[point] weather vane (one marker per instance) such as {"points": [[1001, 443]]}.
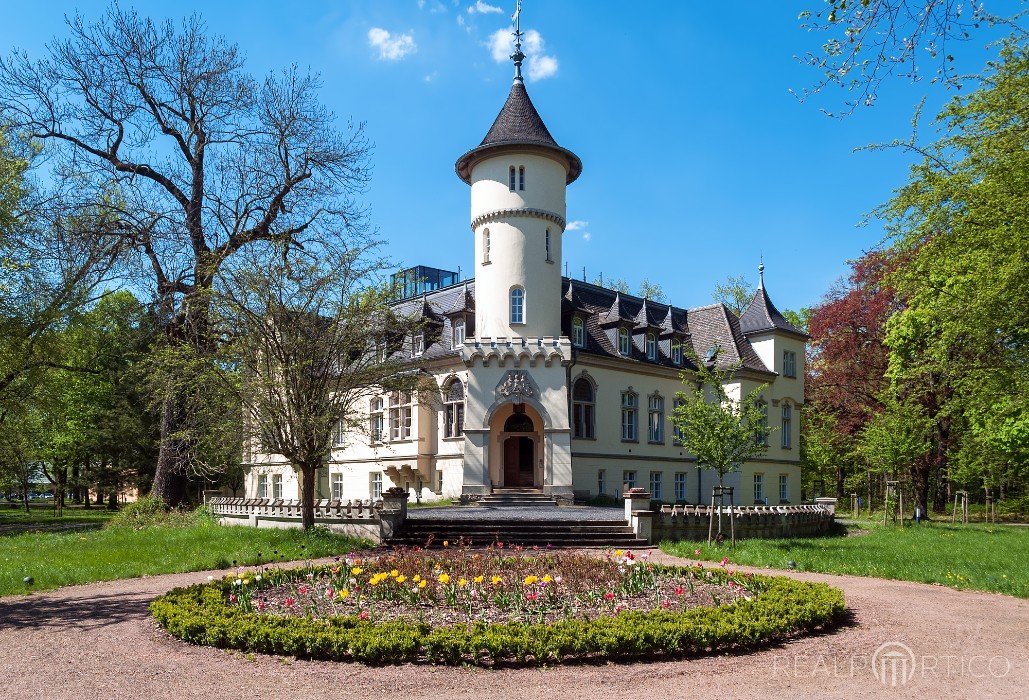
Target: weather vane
{"points": [[518, 56]]}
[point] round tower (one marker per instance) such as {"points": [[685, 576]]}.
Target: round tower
{"points": [[518, 176]]}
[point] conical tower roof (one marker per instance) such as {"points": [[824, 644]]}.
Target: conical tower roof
{"points": [[761, 314]]}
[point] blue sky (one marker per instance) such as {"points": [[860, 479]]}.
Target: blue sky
{"points": [[696, 157]]}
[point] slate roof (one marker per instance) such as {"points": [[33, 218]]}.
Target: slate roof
{"points": [[518, 125], [761, 315], [604, 311]]}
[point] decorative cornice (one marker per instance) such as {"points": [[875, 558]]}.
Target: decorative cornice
{"points": [[498, 214]]}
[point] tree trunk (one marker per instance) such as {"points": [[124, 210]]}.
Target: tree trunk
{"points": [[308, 472], [841, 476], [169, 481]]}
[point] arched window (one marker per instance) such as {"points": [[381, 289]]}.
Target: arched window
{"points": [[583, 409], [521, 177], [459, 334], [630, 416], [517, 305], [453, 409], [547, 240], [676, 351], [377, 421], [623, 341], [787, 425], [651, 346], [485, 246], [511, 178], [578, 332], [656, 419]]}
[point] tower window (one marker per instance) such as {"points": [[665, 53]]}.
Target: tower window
{"points": [[517, 305], [521, 178], [485, 246], [547, 240], [787, 425], [578, 332], [511, 178], [789, 363]]}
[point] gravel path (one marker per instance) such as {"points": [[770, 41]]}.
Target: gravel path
{"points": [[97, 641]]}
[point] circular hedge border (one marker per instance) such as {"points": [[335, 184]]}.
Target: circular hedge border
{"points": [[201, 614]]}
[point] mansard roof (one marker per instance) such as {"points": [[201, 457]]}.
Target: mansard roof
{"points": [[518, 127], [761, 316]]}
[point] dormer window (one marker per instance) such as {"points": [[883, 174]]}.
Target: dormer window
{"points": [[651, 346], [676, 351], [624, 346], [521, 178], [459, 332], [418, 343], [578, 332], [511, 178], [547, 241], [485, 246]]}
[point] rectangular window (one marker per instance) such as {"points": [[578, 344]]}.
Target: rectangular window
{"points": [[453, 425], [655, 486], [578, 332], [759, 488], [789, 363], [337, 486], [651, 346], [459, 333], [276, 485], [338, 434], [629, 417], [787, 426], [680, 486], [549, 259], [656, 421], [761, 435], [601, 482], [418, 344], [439, 481], [677, 352], [623, 342], [629, 478], [376, 487], [784, 488], [676, 435], [521, 178], [511, 178], [262, 486]]}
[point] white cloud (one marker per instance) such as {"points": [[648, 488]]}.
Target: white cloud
{"points": [[538, 64], [392, 47], [483, 8], [431, 76], [576, 225], [587, 236]]}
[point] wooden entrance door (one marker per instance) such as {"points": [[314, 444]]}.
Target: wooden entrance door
{"points": [[519, 461]]}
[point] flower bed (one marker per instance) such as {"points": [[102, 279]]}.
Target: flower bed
{"points": [[493, 606]]}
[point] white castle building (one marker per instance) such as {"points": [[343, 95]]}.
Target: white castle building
{"points": [[535, 380]]}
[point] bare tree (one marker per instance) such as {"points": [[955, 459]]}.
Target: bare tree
{"points": [[196, 160], [309, 341], [870, 41]]}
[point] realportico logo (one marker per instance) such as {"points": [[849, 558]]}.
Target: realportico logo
{"points": [[893, 664]]}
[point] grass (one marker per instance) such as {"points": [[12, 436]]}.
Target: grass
{"points": [[980, 557], [441, 503], [42, 513], [63, 558]]}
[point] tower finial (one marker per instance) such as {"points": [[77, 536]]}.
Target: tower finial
{"points": [[518, 56], [761, 270]]}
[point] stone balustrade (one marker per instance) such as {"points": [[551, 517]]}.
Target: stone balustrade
{"points": [[357, 518], [681, 522]]}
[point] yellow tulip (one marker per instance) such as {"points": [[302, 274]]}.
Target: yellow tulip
{"points": [[401, 578], [356, 570], [421, 584], [343, 593], [462, 582], [495, 580], [394, 573], [479, 579], [444, 578]]}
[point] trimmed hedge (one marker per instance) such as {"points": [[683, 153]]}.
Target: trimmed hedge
{"points": [[201, 615]]}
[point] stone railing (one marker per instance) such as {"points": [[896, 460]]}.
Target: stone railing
{"points": [[357, 518], [691, 522]]}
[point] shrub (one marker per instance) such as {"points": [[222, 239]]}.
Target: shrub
{"points": [[150, 511], [785, 608]]}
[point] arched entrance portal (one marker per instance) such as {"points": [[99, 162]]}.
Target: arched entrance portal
{"points": [[519, 451], [516, 455]]}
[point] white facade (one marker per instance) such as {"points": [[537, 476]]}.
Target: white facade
{"points": [[551, 373]]}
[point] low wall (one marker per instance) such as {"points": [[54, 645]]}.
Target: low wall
{"points": [[354, 518], [691, 522]]}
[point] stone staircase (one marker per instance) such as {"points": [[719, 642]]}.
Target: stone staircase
{"points": [[532, 519]]}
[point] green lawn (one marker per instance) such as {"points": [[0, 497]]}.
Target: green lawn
{"points": [[42, 513], [59, 559], [981, 557]]}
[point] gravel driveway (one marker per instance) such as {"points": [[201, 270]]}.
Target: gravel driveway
{"points": [[97, 641]]}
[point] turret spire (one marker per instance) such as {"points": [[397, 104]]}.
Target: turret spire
{"points": [[761, 271], [518, 56]]}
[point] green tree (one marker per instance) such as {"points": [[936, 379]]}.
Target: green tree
{"points": [[896, 443], [722, 431], [736, 292]]}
